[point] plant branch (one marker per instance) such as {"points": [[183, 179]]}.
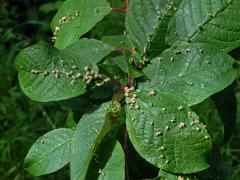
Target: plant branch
{"points": [[119, 10], [117, 83], [125, 148], [130, 81], [122, 10]]}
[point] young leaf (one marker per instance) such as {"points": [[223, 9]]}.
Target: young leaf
{"points": [[126, 67], [147, 23], [194, 72], [214, 22], [47, 74], [70, 121], [89, 133], [167, 133], [109, 162], [75, 18], [50, 152]]}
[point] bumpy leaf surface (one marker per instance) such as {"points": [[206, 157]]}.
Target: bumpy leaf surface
{"points": [[194, 72], [209, 115], [147, 23], [50, 152], [167, 133], [75, 18], [214, 22], [89, 133], [43, 69]]}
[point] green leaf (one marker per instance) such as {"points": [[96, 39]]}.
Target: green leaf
{"points": [[167, 133], [117, 41], [194, 72], [108, 163], [226, 104], [75, 18], [126, 67], [70, 121], [209, 115], [164, 175], [38, 64], [147, 22], [214, 22], [50, 152], [89, 133]]}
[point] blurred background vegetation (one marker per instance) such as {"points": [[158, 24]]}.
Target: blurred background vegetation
{"points": [[22, 121]]}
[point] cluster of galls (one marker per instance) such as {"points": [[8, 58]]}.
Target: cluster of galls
{"points": [[56, 31], [132, 94], [63, 20], [94, 76], [57, 73], [170, 7], [67, 19], [144, 61], [89, 75]]}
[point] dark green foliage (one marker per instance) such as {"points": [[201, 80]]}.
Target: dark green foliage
{"points": [[158, 97]]}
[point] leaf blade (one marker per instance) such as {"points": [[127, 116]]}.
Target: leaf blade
{"points": [[147, 22], [75, 18], [211, 22], [50, 152], [89, 132], [43, 70], [109, 162], [170, 138], [190, 71]]}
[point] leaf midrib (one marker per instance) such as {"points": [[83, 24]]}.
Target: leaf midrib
{"points": [[210, 19], [50, 152]]}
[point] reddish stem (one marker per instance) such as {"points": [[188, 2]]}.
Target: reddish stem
{"points": [[126, 4], [119, 10], [125, 148], [118, 95], [130, 81], [117, 83]]}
